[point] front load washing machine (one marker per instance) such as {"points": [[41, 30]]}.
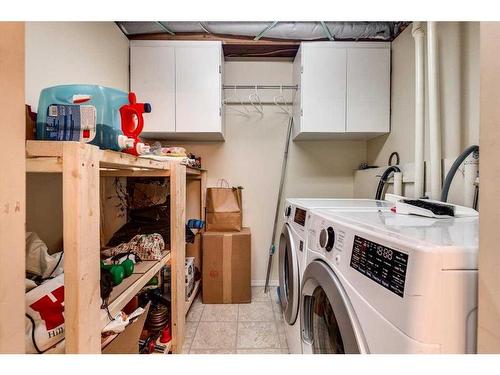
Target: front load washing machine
{"points": [[292, 249], [380, 282]]}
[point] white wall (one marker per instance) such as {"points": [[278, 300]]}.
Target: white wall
{"points": [[63, 53], [251, 157], [74, 52], [458, 44]]}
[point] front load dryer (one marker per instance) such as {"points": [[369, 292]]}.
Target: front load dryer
{"points": [[380, 282], [292, 251]]}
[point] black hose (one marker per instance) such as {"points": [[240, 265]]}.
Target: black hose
{"points": [[383, 180], [391, 156], [454, 167]]}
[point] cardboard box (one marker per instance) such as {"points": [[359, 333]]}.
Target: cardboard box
{"points": [[227, 267], [194, 250]]}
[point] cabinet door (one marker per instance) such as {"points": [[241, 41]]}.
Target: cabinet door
{"points": [[368, 90], [152, 78], [323, 89], [198, 88]]}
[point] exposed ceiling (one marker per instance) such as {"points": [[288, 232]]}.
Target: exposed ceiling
{"points": [[263, 39]]}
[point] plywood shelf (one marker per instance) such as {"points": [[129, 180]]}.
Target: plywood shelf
{"points": [[130, 286], [47, 157]]}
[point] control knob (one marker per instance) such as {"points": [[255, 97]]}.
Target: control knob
{"points": [[327, 239]]}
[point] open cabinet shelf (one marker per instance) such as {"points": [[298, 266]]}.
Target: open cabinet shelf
{"points": [[81, 166]]}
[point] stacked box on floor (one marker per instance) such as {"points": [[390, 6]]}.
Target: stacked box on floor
{"points": [[227, 267]]}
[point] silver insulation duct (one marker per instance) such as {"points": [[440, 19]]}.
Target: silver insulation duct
{"points": [[282, 30]]}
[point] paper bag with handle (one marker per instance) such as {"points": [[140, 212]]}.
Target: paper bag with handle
{"points": [[224, 209]]}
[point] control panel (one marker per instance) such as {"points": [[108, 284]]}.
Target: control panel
{"points": [[300, 216], [381, 264]]}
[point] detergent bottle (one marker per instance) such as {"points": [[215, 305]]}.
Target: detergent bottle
{"points": [[85, 113], [133, 122]]}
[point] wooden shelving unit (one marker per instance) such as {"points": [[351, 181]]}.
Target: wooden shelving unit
{"points": [[81, 166]]}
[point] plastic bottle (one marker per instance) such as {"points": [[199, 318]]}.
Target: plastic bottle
{"points": [[132, 123], [85, 113]]}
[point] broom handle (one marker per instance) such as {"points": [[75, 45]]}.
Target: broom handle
{"points": [[272, 248]]}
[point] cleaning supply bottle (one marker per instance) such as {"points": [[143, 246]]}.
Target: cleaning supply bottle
{"points": [[84, 113], [132, 123]]}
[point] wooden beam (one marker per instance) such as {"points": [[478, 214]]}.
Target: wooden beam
{"points": [[489, 235], [81, 248], [44, 165], [44, 148], [134, 173], [225, 39], [121, 160], [178, 252], [12, 188], [203, 195]]}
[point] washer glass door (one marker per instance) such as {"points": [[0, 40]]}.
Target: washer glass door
{"points": [[327, 319], [288, 276], [326, 331]]}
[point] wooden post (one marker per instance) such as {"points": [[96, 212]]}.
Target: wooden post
{"points": [[12, 188], [81, 247], [489, 235], [178, 252], [203, 195]]}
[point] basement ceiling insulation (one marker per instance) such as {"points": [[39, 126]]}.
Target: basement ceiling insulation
{"points": [[273, 30], [263, 39]]}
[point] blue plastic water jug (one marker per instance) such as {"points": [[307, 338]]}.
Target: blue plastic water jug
{"points": [[85, 113]]}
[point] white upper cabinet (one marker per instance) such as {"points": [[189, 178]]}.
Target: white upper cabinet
{"points": [[198, 89], [323, 88], [183, 82], [152, 78], [368, 90], [344, 90]]}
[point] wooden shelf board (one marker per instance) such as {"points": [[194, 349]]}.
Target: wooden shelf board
{"points": [[189, 302], [45, 164], [134, 172], [124, 292], [120, 160], [193, 171], [107, 158], [47, 157], [108, 340]]}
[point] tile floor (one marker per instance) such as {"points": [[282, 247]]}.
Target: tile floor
{"points": [[253, 328]]}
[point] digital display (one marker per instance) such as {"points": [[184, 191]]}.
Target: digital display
{"points": [[300, 216], [381, 264]]}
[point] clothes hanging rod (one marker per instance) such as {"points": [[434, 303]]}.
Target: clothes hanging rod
{"points": [[250, 103], [260, 87]]}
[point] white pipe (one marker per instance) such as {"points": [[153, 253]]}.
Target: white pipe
{"points": [[418, 35], [398, 183], [471, 171], [434, 120]]}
